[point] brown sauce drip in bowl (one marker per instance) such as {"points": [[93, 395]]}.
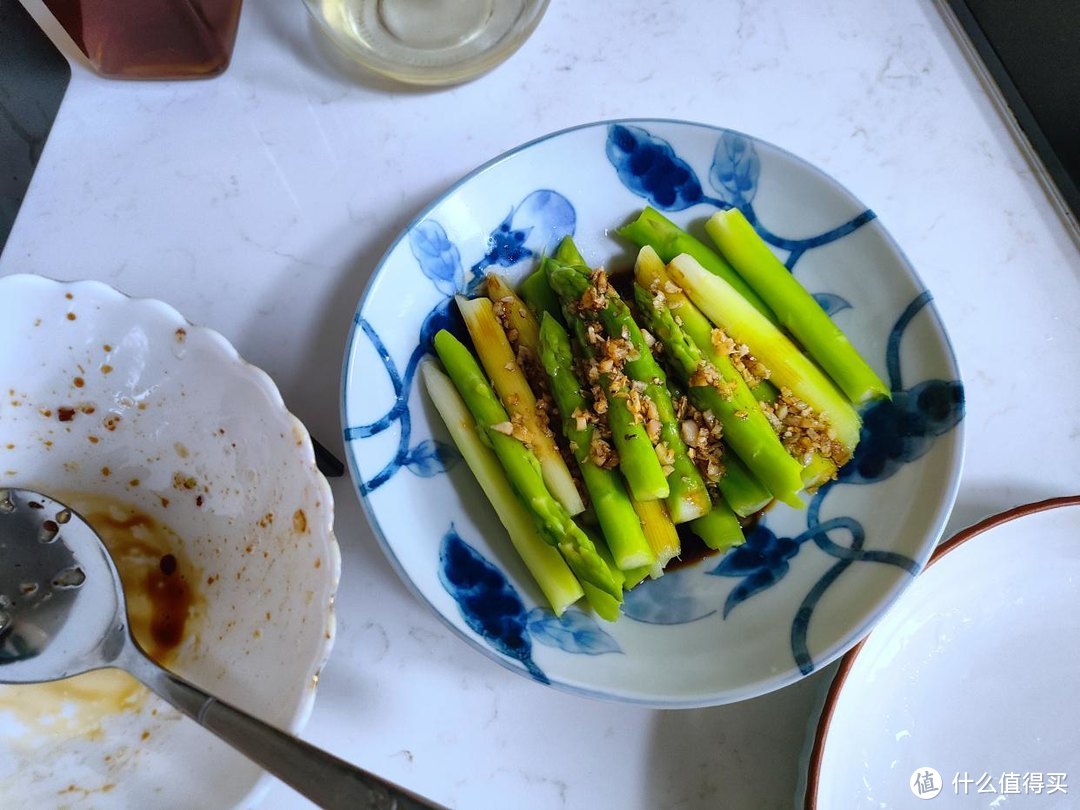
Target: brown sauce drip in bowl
{"points": [[157, 586], [164, 607]]}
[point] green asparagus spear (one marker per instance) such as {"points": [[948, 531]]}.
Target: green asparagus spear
{"points": [[637, 459], [746, 429], [604, 604], [568, 253], [539, 296], [665, 237], [687, 498], [723, 305], [544, 562], [744, 493], [616, 515], [720, 529], [739, 487], [635, 575], [522, 469], [795, 309]]}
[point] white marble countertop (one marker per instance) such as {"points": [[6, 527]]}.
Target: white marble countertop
{"points": [[258, 203]]}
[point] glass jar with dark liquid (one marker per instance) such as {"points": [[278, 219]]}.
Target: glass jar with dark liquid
{"points": [[152, 39]]}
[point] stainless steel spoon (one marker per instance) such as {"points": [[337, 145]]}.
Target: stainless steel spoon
{"points": [[62, 613]]}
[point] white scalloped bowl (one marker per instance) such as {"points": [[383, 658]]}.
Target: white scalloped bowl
{"points": [[122, 399]]}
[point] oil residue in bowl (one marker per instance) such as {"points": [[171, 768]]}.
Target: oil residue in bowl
{"points": [[163, 610]]}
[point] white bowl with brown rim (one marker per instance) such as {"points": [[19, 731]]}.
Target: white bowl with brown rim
{"points": [[965, 691]]}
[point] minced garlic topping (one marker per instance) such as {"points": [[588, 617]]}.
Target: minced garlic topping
{"points": [[753, 370], [706, 376], [703, 433], [610, 354], [502, 315], [802, 430]]}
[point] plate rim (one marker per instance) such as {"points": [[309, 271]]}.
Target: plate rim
{"points": [[847, 662], [700, 700]]}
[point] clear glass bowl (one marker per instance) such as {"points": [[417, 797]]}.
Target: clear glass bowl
{"points": [[431, 42]]}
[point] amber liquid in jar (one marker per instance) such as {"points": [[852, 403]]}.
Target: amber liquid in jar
{"points": [[152, 39]]}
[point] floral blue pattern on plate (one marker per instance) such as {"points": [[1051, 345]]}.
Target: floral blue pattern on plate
{"points": [[809, 583]]}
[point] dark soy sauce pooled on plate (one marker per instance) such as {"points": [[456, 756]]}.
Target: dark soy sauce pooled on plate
{"points": [[693, 550]]}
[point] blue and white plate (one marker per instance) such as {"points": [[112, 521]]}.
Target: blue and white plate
{"points": [[808, 584]]}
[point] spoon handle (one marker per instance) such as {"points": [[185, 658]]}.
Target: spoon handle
{"points": [[330, 782]]}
